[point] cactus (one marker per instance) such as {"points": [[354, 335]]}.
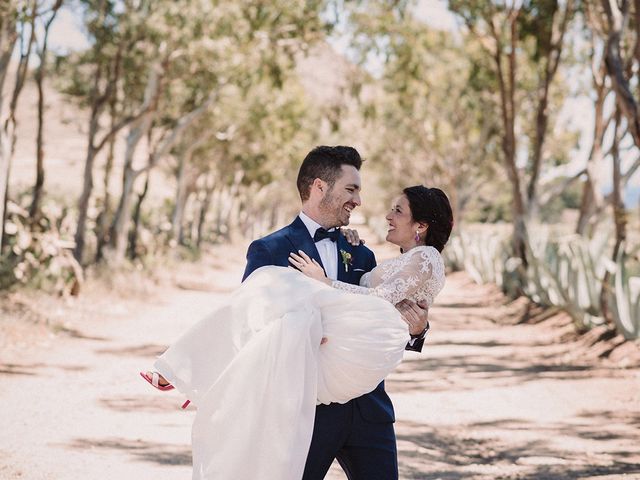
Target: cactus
{"points": [[627, 299], [566, 272]]}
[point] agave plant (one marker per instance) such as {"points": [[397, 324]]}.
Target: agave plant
{"points": [[565, 272], [481, 254], [627, 299]]}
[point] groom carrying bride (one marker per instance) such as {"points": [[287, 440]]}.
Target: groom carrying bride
{"points": [[276, 402], [358, 433]]}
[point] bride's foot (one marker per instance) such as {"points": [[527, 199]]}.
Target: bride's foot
{"points": [[156, 380]]}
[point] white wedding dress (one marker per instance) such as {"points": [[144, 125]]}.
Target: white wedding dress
{"points": [[255, 368]]}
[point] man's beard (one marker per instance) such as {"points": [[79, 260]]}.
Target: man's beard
{"points": [[331, 211]]}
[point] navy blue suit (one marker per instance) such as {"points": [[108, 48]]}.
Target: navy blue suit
{"points": [[360, 432]]}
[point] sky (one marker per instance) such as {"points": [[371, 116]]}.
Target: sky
{"points": [[66, 34]]}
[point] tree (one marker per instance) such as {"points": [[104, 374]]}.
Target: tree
{"points": [[617, 26], [419, 133], [264, 39], [15, 23], [591, 194], [605, 32], [117, 39], [516, 36], [42, 49]]}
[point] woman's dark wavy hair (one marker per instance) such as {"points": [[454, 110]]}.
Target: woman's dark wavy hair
{"points": [[431, 206]]}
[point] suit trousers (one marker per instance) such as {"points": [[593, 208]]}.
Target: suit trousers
{"points": [[365, 450]]}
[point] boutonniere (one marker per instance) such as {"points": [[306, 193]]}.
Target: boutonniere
{"points": [[346, 259]]}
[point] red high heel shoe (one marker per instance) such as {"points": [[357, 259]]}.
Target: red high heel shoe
{"points": [[154, 381], [155, 377]]}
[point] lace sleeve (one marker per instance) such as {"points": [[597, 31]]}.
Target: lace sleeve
{"points": [[402, 282]]}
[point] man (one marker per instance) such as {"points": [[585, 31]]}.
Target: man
{"points": [[360, 432]]}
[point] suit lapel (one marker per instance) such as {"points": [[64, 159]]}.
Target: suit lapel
{"points": [[300, 239]]}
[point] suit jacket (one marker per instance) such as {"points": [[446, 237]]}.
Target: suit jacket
{"points": [[274, 249]]}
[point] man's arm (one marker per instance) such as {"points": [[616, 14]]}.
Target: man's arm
{"points": [[417, 317], [258, 255]]}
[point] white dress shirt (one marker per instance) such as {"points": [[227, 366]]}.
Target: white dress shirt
{"points": [[327, 249]]}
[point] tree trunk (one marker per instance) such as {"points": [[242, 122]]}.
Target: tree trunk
{"points": [[34, 210], [204, 208], [99, 99], [120, 226], [180, 201], [553, 55], [122, 216], [8, 39], [617, 17], [92, 151], [133, 234], [619, 215], [619, 211], [591, 196], [102, 222], [5, 167], [232, 212], [190, 226], [506, 82], [118, 232], [185, 185], [83, 202]]}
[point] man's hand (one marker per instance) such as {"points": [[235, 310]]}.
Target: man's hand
{"points": [[416, 315]]}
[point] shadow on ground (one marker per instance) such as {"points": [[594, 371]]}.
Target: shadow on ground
{"points": [[470, 372], [140, 450], [36, 368], [146, 403], [148, 350], [429, 453], [75, 333]]}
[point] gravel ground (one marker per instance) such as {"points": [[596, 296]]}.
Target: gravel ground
{"points": [[488, 398]]}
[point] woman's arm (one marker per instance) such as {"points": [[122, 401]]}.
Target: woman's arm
{"points": [[308, 266], [397, 287]]}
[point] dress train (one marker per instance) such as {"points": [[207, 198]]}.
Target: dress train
{"points": [[256, 370]]}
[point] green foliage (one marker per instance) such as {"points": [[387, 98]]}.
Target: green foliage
{"points": [[537, 24], [568, 198], [490, 205], [428, 111]]}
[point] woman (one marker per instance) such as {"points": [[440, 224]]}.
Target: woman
{"points": [[265, 343]]}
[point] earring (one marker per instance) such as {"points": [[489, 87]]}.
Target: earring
{"points": [[417, 239]]}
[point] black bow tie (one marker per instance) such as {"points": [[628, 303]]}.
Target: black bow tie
{"points": [[321, 234]]}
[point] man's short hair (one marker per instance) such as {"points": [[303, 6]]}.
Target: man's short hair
{"points": [[325, 163]]}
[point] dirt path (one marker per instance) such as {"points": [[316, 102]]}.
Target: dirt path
{"points": [[484, 400]]}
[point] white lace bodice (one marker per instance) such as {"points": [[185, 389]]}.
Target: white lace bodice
{"points": [[415, 275]]}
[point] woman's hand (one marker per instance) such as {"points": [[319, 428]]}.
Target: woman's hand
{"points": [[352, 236], [308, 266]]}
